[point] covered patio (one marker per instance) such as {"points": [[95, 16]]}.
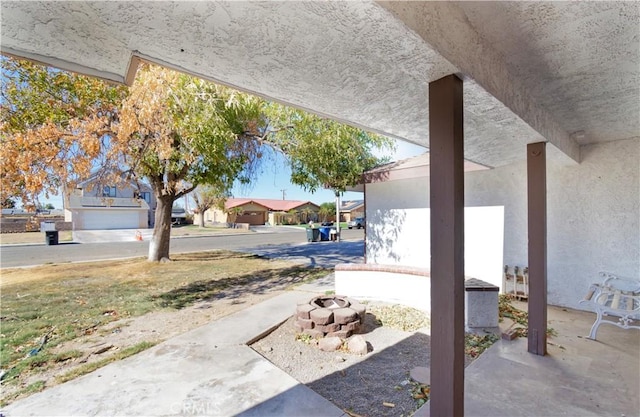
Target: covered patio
{"points": [[576, 378], [542, 87]]}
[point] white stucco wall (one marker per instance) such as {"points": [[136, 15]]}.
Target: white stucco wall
{"points": [[593, 217], [593, 211], [398, 230]]}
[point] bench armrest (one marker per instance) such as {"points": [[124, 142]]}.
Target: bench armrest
{"points": [[614, 295]]}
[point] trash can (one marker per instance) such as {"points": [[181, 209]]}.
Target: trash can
{"points": [[313, 234], [51, 237], [324, 233]]}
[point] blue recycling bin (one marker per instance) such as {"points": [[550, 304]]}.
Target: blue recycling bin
{"points": [[324, 233]]}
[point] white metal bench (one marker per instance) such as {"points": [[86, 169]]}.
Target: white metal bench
{"points": [[616, 301], [515, 282]]}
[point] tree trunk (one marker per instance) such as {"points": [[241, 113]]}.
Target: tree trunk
{"points": [[159, 245], [201, 218]]}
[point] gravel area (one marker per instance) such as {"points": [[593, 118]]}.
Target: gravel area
{"points": [[376, 384]]}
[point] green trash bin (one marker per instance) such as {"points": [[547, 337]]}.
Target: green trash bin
{"points": [[51, 237], [313, 235]]}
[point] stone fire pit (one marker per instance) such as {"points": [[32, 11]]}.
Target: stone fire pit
{"points": [[329, 316]]}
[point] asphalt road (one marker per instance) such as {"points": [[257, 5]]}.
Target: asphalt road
{"points": [[291, 245]]}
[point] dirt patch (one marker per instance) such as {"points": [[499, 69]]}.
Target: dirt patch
{"points": [[376, 384]]}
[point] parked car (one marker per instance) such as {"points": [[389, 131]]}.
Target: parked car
{"points": [[358, 223], [178, 216]]}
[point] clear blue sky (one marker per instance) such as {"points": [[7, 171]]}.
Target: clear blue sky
{"points": [[275, 178]]}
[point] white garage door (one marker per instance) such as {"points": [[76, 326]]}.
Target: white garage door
{"points": [[106, 219]]}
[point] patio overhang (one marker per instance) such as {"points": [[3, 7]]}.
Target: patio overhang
{"points": [[529, 75]]}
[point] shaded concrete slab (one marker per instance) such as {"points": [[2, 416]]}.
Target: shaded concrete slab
{"points": [[557, 384], [578, 376], [207, 371], [321, 254]]}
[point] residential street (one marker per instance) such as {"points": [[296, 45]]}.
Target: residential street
{"points": [[291, 244]]}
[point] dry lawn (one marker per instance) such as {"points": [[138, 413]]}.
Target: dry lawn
{"points": [[60, 321]]}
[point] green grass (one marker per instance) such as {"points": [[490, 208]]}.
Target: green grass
{"points": [[57, 303]]}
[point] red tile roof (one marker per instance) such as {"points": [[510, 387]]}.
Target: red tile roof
{"points": [[273, 205]]}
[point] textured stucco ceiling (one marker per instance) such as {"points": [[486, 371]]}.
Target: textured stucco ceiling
{"points": [[528, 75], [578, 62]]}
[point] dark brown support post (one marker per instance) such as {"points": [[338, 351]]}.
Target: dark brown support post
{"points": [[537, 212], [447, 246]]}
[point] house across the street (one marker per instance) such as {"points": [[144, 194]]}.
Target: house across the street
{"points": [[260, 211], [96, 206], [351, 209]]}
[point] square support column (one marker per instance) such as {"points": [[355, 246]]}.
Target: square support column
{"points": [[447, 246], [537, 229]]}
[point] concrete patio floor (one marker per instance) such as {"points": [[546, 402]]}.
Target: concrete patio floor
{"points": [[578, 376], [211, 371]]}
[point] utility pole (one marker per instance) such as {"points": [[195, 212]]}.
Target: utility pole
{"points": [[337, 216], [284, 193]]}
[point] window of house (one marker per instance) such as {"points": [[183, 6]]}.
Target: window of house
{"points": [[109, 191], [146, 196]]}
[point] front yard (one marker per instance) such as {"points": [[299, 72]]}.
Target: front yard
{"points": [[61, 321]]}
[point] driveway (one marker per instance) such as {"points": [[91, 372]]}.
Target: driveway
{"points": [[322, 254]]}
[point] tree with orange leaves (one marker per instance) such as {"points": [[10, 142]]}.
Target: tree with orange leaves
{"points": [[53, 127], [171, 129]]}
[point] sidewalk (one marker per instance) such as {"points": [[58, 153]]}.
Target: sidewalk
{"points": [[131, 235], [207, 371]]}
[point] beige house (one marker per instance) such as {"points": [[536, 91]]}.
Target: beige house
{"points": [[258, 211], [351, 209]]}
